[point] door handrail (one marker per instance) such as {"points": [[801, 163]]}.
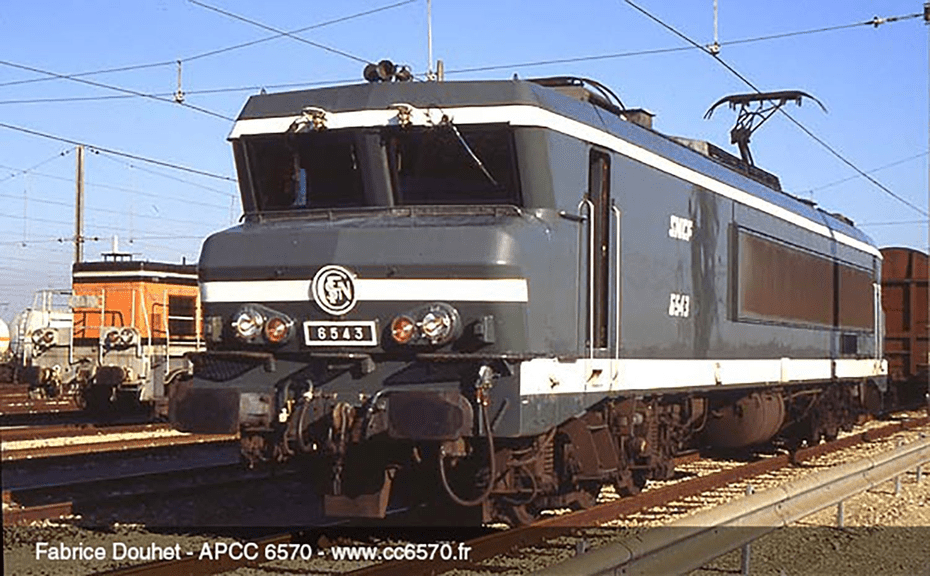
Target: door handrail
{"points": [[618, 214], [586, 202]]}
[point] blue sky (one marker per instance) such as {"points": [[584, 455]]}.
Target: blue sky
{"points": [[873, 81]]}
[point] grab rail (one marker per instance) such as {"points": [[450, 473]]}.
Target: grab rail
{"points": [[618, 214], [590, 205]]}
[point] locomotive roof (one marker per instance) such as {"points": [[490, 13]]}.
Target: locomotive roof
{"points": [[262, 109], [134, 271], [134, 266], [381, 96]]}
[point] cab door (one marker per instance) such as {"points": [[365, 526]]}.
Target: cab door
{"points": [[599, 251]]}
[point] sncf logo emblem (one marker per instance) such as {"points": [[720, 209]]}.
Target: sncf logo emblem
{"points": [[333, 289]]}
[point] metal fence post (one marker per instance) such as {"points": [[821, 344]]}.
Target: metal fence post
{"points": [[747, 552], [581, 547], [897, 479]]}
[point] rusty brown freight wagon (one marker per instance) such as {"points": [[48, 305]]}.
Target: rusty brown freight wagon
{"points": [[904, 299]]}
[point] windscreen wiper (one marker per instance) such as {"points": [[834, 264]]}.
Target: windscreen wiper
{"points": [[446, 121]]}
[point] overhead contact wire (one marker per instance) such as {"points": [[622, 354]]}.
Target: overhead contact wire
{"points": [[803, 128], [117, 152], [216, 51], [289, 33], [281, 32], [115, 88], [875, 22]]}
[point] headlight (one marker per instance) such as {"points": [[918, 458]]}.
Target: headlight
{"points": [[277, 329], [45, 338], [435, 324], [127, 337], [119, 338], [111, 339], [248, 324], [256, 324], [403, 329]]}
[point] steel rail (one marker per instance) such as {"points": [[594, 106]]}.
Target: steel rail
{"points": [[113, 446], [34, 406], [502, 542], [24, 505], [689, 543], [19, 515], [72, 430]]}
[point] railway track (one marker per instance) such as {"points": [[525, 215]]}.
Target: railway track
{"points": [[130, 439], [704, 484], [15, 400], [50, 469], [25, 433], [618, 512]]}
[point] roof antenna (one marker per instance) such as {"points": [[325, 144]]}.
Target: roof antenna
{"points": [[179, 94], [715, 47], [748, 120], [429, 40]]}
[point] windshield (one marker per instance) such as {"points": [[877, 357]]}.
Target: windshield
{"points": [[394, 166], [317, 171]]}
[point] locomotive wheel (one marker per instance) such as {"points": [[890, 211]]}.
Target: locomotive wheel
{"points": [[50, 390], [519, 515], [815, 437], [586, 496], [631, 482], [79, 400], [99, 399]]}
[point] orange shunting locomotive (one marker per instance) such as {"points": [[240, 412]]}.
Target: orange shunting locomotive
{"points": [[127, 327]]}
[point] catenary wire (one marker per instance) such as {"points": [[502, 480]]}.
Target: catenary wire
{"points": [[892, 223], [162, 175], [282, 32], [117, 89], [252, 88], [116, 152], [493, 67], [803, 128], [21, 172], [297, 31], [216, 51], [654, 51], [160, 196], [33, 242], [102, 210], [89, 225], [892, 164]]}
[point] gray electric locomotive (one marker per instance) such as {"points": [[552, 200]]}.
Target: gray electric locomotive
{"points": [[505, 294]]}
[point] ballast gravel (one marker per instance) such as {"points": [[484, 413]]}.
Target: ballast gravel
{"points": [[883, 533]]}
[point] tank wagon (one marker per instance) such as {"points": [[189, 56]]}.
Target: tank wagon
{"points": [[121, 332], [904, 299], [7, 365], [49, 314], [501, 295]]}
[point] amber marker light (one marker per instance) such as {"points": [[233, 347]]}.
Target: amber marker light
{"points": [[276, 330], [403, 329]]}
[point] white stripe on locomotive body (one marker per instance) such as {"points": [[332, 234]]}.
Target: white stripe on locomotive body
{"points": [[103, 274], [525, 115], [373, 290], [544, 376]]}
